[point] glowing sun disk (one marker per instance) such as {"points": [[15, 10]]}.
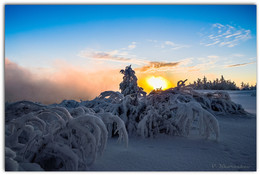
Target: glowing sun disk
{"points": [[157, 82]]}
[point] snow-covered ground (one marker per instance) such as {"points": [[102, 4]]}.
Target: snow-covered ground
{"points": [[246, 98], [168, 131], [235, 150]]}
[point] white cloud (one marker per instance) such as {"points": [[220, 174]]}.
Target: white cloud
{"points": [[153, 41], [210, 44], [213, 56], [118, 55], [237, 55], [169, 45], [132, 46], [114, 55], [225, 35], [240, 64]]}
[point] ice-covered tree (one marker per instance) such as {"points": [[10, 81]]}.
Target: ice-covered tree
{"points": [[129, 84]]}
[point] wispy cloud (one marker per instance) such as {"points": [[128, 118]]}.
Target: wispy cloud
{"points": [[237, 55], [114, 55], [119, 55], [132, 46], [89, 53], [242, 64], [154, 65], [168, 45], [174, 46], [181, 66], [225, 35], [213, 56], [153, 41]]}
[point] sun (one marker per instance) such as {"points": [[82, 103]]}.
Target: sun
{"points": [[157, 82]]}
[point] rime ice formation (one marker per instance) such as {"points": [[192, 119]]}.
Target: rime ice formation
{"points": [[70, 135]]}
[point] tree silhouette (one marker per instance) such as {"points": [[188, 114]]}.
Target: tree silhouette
{"points": [[218, 84]]}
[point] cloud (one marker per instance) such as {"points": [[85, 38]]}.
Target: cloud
{"points": [[132, 46], [213, 56], [225, 35], [115, 55], [168, 45], [243, 64], [175, 46], [182, 66], [211, 44], [237, 55], [67, 82], [153, 41], [179, 67], [89, 53], [154, 65]]}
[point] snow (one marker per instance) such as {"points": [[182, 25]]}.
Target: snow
{"points": [[235, 150], [175, 129], [247, 98]]}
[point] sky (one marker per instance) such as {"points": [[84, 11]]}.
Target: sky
{"points": [[56, 52]]}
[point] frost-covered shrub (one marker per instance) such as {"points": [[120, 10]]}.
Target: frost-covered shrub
{"points": [[128, 107], [57, 140], [67, 104], [111, 96], [110, 121], [186, 116], [176, 113], [18, 109], [219, 102], [149, 125]]}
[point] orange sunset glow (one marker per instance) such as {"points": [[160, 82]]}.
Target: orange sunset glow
{"points": [[151, 82], [158, 82]]}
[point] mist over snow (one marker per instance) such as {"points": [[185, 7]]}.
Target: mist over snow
{"points": [[67, 82]]}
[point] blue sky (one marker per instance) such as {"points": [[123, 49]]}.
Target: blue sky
{"points": [[206, 40]]}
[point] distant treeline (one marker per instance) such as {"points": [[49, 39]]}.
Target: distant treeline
{"points": [[220, 84]]}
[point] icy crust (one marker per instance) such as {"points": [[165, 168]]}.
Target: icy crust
{"points": [[53, 138], [70, 135]]}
